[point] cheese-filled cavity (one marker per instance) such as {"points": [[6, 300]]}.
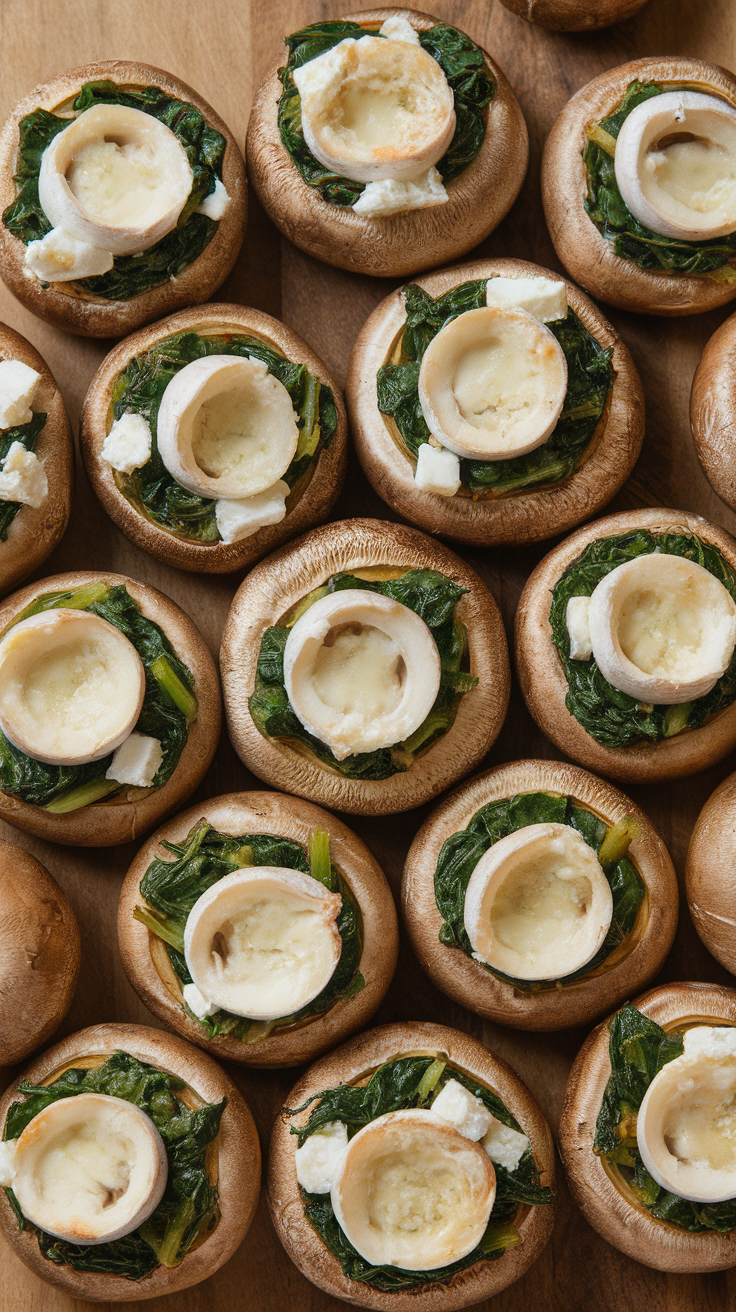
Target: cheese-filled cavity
{"points": [[538, 904], [263, 941], [686, 1125], [675, 165], [662, 629], [492, 383], [361, 671], [71, 686], [89, 1169], [413, 1192]]}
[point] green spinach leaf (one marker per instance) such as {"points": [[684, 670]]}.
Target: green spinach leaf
{"points": [[28, 435]]}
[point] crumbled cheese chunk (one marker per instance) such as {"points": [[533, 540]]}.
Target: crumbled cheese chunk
{"points": [[318, 1158], [544, 298], [18, 383], [136, 760], [23, 477], [578, 627], [437, 470], [462, 1109], [128, 444], [716, 1041], [216, 203], [399, 29], [240, 519], [197, 1002], [387, 196], [60, 257], [504, 1146], [7, 1162]]}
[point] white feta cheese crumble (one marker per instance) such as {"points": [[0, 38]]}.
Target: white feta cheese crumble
{"points": [[7, 1162], [317, 1160], [197, 1002], [387, 196], [578, 627], [544, 298], [60, 257], [128, 444], [462, 1109], [716, 1041], [18, 383], [399, 29], [240, 519], [504, 1146], [23, 477], [136, 760], [214, 205], [437, 470]]}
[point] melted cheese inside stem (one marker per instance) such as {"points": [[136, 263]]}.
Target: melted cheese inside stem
{"points": [[359, 669]]}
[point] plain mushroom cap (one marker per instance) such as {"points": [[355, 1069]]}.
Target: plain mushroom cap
{"points": [[616, 1214], [39, 954], [404, 243], [353, 1062], [534, 513], [712, 411], [237, 1164], [588, 257], [545, 687], [310, 501], [573, 15], [148, 968], [91, 316], [710, 874]]}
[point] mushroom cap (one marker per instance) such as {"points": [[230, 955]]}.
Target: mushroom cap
{"points": [[277, 584], [573, 15], [710, 874], [630, 966], [149, 970], [135, 810], [615, 1212], [354, 1061], [39, 954], [400, 245], [306, 505], [235, 1164], [712, 411], [588, 257], [543, 681], [527, 516], [85, 314]]}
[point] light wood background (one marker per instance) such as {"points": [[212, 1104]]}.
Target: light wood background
{"points": [[222, 49]]}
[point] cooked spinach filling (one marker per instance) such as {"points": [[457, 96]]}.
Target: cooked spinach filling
{"points": [[28, 435], [589, 381], [611, 717], [139, 389], [461, 62], [168, 707], [171, 889], [166, 259], [189, 1208], [461, 853], [638, 1050], [431, 596], [409, 1082], [631, 239]]}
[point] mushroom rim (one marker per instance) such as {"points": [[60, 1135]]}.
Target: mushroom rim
{"points": [[573, 15], [706, 873], [711, 410]]}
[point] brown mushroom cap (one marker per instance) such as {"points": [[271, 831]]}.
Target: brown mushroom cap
{"points": [[399, 245], [710, 874], [353, 1062], [612, 1209], [34, 533], [85, 314], [236, 1165], [630, 966], [573, 15], [712, 411], [545, 687], [131, 813], [150, 972], [532, 514], [277, 584], [309, 503], [39, 954], [585, 253]]}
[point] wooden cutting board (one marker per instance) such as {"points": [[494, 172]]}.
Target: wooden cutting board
{"points": [[223, 49]]}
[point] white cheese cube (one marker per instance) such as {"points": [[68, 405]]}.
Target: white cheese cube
{"points": [[399, 29], [461, 1108], [387, 196], [544, 298], [128, 444], [60, 257], [578, 627], [216, 203], [18, 383], [23, 477], [240, 519], [136, 760], [197, 1002], [437, 470], [504, 1146], [318, 1159], [7, 1162]]}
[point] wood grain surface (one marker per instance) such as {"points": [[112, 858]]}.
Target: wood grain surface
{"points": [[222, 49]]}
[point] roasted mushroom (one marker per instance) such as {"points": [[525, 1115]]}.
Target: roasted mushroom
{"points": [[574, 15], [712, 411], [710, 871]]}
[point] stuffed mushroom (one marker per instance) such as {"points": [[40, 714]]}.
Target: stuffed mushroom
{"points": [[709, 874], [574, 15], [711, 411]]}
